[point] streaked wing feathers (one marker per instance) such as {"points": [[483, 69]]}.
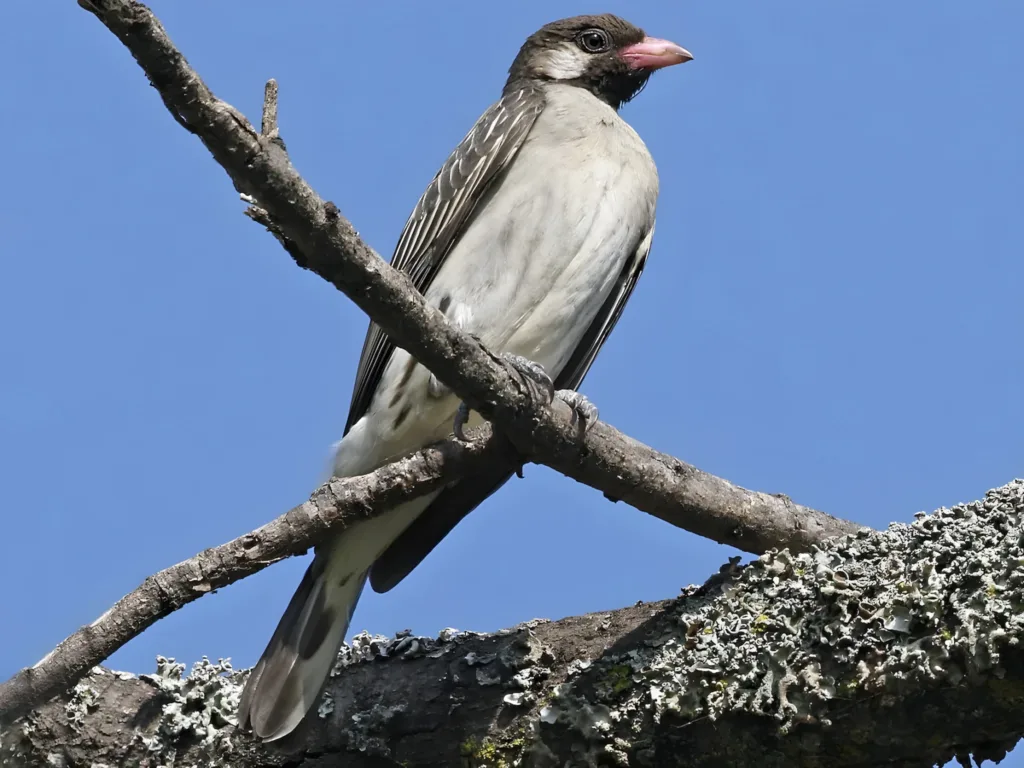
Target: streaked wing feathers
{"points": [[442, 214]]}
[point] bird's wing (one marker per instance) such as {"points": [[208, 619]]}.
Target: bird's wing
{"points": [[457, 501], [443, 214], [586, 351]]}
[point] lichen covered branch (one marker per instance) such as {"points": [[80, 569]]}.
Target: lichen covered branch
{"points": [[901, 647]]}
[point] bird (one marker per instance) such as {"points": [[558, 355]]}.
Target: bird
{"points": [[531, 237]]}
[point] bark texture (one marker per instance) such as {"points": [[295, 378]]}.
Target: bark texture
{"points": [[900, 647]]}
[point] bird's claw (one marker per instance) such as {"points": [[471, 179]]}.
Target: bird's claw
{"points": [[532, 374], [461, 417], [582, 409]]}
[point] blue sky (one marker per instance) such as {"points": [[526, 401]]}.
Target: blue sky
{"points": [[832, 308]]}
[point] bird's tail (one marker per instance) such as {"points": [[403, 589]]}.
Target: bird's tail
{"points": [[290, 676]]}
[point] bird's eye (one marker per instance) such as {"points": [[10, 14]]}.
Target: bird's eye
{"points": [[593, 40]]}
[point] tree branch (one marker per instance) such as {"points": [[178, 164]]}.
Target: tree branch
{"points": [[338, 504], [326, 243], [903, 647], [320, 239]]}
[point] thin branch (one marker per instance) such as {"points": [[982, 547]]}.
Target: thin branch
{"points": [[269, 133], [268, 128], [333, 507], [326, 243]]}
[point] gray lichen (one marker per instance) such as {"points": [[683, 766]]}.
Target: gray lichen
{"points": [[198, 707], [766, 660], [366, 647], [916, 606], [365, 733], [84, 699], [783, 639], [193, 714]]}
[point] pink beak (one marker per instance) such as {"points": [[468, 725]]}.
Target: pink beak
{"points": [[652, 53]]}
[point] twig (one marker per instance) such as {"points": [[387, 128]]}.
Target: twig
{"points": [[271, 136], [269, 124]]}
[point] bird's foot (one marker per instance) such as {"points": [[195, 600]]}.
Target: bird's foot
{"points": [[583, 411], [461, 417], [532, 374]]}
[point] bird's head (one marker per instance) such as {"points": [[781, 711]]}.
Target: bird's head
{"points": [[604, 54]]}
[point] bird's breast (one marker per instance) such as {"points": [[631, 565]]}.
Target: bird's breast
{"points": [[544, 250]]}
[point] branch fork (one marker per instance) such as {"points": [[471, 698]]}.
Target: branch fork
{"points": [[319, 238]]}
